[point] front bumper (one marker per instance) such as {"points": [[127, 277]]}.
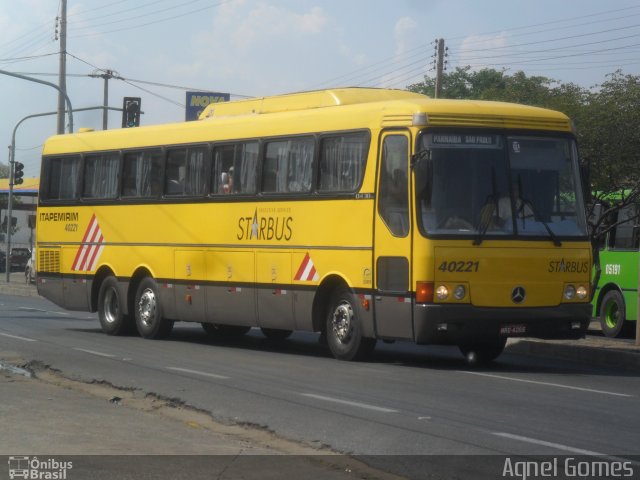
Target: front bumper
{"points": [[458, 324]]}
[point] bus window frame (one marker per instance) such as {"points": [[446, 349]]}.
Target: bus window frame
{"points": [[45, 168], [207, 170], [235, 196], [125, 199], [613, 234], [100, 200], [262, 156], [334, 134]]}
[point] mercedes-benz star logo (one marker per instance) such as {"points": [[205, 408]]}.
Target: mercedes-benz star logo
{"points": [[518, 294]]}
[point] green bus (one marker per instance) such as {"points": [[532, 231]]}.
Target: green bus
{"points": [[615, 302]]}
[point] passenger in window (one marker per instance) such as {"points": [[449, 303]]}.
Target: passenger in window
{"points": [[227, 181]]}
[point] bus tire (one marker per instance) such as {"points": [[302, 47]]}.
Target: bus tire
{"points": [[276, 334], [224, 331], [613, 314], [482, 353], [112, 320], [344, 329], [148, 311]]}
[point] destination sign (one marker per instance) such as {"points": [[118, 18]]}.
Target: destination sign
{"points": [[463, 140]]}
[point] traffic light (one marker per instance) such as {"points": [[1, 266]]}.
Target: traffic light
{"points": [[18, 173], [131, 112]]}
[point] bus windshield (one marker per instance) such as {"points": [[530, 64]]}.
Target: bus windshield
{"points": [[494, 185]]}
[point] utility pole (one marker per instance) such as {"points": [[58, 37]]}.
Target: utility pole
{"points": [[107, 75], [439, 66], [62, 82]]}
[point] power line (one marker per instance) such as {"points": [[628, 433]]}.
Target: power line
{"points": [[130, 19], [153, 22]]}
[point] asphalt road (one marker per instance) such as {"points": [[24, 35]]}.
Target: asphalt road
{"points": [[407, 400]]}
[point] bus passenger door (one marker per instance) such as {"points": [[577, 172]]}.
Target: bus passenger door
{"points": [[392, 239]]}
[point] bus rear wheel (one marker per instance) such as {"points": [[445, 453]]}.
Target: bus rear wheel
{"points": [[344, 328], [481, 353], [148, 312], [112, 319], [613, 314]]}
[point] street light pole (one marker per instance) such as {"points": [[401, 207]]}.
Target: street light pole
{"points": [[62, 78], [31, 79]]}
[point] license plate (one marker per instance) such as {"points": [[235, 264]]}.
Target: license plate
{"points": [[513, 330]]}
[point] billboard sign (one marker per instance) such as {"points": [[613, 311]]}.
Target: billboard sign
{"points": [[198, 101]]}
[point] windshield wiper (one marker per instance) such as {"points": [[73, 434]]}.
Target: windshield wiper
{"points": [[524, 202]]}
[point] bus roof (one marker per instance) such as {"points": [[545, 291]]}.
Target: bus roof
{"points": [[309, 112]]}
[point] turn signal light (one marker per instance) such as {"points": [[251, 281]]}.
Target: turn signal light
{"points": [[424, 292]]}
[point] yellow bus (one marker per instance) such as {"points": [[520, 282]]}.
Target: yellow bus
{"points": [[362, 214]]}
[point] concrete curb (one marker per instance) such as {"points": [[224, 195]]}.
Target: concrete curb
{"points": [[612, 353]]}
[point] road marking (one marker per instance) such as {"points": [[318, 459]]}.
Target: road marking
{"points": [[93, 352], [558, 446], [52, 312], [350, 403], [547, 384], [197, 372], [25, 339]]}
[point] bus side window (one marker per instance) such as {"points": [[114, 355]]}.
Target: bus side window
{"points": [[175, 172], [141, 174], [394, 195], [626, 235], [342, 162], [62, 178], [288, 166], [195, 180], [245, 172], [101, 176], [222, 171]]}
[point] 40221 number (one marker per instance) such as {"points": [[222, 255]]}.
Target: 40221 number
{"points": [[459, 266]]}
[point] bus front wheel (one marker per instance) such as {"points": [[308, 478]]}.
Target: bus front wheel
{"points": [[613, 314], [344, 329], [112, 320], [148, 312], [481, 353]]}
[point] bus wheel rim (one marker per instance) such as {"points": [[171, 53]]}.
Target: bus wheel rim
{"points": [[147, 307], [342, 322], [111, 307], [611, 316]]}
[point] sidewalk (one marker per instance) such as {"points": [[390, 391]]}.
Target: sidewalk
{"points": [[17, 285], [96, 431], [595, 350]]}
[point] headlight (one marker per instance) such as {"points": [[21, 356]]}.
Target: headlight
{"points": [[582, 292], [569, 292], [459, 292], [442, 292]]}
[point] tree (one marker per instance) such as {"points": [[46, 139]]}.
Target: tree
{"points": [[4, 170]]}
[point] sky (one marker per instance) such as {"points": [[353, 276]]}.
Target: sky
{"points": [[163, 48]]}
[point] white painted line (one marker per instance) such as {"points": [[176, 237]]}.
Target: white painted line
{"points": [[557, 446], [93, 352], [350, 403], [547, 384], [196, 372], [29, 309], [25, 339]]}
